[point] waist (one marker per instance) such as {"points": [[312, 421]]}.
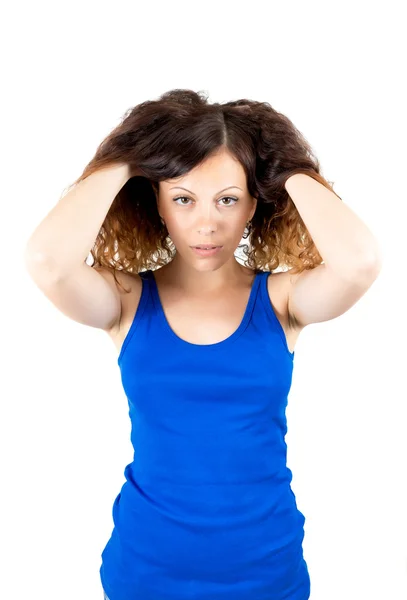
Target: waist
{"points": [[210, 504], [239, 459]]}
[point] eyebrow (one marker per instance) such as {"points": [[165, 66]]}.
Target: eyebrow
{"points": [[220, 191]]}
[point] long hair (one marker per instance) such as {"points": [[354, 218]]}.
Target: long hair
{"points": [[165, 139]]}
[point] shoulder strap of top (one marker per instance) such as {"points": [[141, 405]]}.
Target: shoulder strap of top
{"points": [[269, 311]]}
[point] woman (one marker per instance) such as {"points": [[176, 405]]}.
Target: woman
{"points": [[205, 344]]}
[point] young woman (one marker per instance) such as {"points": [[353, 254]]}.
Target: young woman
{"points": [[205, 344]]}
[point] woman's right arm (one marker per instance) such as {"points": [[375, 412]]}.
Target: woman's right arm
{"points": [[56, 251]]}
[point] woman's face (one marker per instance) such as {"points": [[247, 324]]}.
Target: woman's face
{"points": [[207, 213]]}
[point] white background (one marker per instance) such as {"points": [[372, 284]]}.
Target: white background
{"points": [[69, 72]]}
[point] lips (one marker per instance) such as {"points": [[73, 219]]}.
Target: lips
{"points": [[206, 247], [211, 251]]}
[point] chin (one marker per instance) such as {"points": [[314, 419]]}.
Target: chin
{"points": [[201, 263], [206, 265]]}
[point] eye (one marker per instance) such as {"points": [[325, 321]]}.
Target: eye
{"points": [[181, 198], [224, 198], [230, 198]]}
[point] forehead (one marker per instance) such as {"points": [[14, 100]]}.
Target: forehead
{"points": [[212, 175]]}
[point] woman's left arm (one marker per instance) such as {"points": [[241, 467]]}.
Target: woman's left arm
{"points": [[351, 255], [343, 240]]}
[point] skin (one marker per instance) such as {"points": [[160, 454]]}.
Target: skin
{"points": [[204, 298], [206, 216]]}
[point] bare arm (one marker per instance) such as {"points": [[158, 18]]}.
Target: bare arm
{"points": [[56, 252], [63, 239]]}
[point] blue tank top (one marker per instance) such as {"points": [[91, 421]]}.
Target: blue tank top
{"points": [[207, 510]]}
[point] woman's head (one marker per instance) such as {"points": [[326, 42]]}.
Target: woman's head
{"points": [[181, 139], [209, 205]]}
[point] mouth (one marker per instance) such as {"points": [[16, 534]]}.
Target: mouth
{"points": [[206, 250], [206, 247]]}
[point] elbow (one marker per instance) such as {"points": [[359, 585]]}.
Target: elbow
{"points": [[369, 267], [38, 266]]}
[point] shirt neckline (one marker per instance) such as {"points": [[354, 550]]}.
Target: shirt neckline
{"points": [[222, 343]]}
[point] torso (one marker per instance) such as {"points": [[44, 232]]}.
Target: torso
{"points": [[198, 320]]}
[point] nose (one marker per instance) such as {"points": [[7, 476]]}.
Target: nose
{"points": [[207, 221], [206, 230]]}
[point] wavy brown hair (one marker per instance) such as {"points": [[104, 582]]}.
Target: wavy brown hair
{"points": [[166, 138]]}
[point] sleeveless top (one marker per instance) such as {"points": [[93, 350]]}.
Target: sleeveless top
{"points": [[207, 510]]}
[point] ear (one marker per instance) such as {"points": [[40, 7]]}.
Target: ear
{"points": [[254, 199]]}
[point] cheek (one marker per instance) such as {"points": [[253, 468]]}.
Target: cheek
{"points": [[177, 228], [176, 224]]}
